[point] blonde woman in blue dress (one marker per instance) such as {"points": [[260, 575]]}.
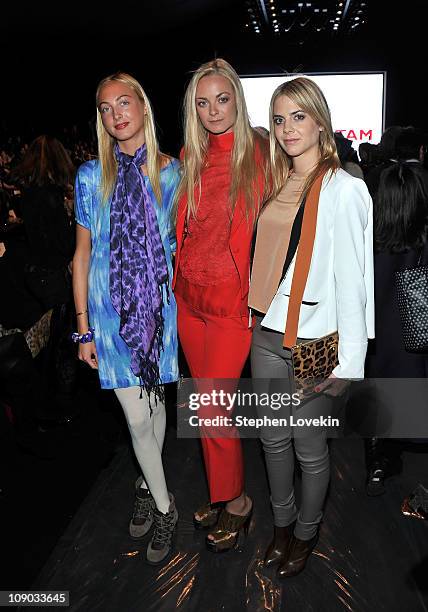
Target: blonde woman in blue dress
{"points": [[121, 280]]}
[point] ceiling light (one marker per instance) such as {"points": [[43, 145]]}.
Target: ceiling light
{"points": [[275, 21], [324, 10], [316, 10], [356, 18]]}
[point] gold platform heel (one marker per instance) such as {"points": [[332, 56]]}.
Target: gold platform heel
{"points": [[232, 530], [209, 514]]}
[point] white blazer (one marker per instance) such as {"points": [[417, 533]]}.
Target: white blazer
{"points": [[339, 293]]}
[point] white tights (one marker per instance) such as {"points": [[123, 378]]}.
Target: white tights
{"points": [[147, 434]]}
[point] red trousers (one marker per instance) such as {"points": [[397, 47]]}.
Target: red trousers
{"points": [[217, 347]]}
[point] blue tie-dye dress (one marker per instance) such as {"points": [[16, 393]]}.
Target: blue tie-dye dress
{"points": [[114, 356]]}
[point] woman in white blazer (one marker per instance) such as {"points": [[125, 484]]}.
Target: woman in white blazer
{"points": [[338, 296]]}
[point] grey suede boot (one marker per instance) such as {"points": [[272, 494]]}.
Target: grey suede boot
{"points": [[160, 546], [142, 517]]}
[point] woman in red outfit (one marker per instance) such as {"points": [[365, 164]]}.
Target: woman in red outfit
{"points": [[221, 192]]}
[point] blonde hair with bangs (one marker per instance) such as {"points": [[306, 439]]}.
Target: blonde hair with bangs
{"points": [[309, 98], [196, 139], [106, 142]]}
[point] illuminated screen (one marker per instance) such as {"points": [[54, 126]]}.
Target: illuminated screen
{"points": [[356, 102]]}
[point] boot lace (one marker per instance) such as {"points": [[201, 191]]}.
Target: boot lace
{"points": [[164, 527], [143, 507]]}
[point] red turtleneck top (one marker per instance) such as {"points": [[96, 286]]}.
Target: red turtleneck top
{"points": [[205, 256]]}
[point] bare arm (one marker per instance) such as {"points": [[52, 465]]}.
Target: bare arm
{"points": [[87, 352]]}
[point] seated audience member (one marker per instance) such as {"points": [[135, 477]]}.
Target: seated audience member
{"points": [[401, 231], [34, 276], [384, 157], [46, 173], [409, 146]]}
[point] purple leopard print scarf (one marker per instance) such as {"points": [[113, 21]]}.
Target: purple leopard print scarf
{"points": [[138, 268]]}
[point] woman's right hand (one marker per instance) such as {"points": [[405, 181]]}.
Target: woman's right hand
{"points": [[88, 353]]}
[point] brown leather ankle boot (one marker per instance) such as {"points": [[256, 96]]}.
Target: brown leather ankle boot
{"points": [[278, 548], [298, 553]]}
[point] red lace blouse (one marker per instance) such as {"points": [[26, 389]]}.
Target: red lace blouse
{"points": [[205, 256]]}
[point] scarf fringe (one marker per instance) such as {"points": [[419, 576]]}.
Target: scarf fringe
{"points": [[148, 373]]}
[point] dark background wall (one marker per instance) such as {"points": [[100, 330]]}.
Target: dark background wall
{"points": [[54, 54]]}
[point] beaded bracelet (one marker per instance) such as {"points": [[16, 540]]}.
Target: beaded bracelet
{"points": [[83, 338]]}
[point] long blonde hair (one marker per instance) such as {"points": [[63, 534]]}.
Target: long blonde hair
{"points": [[306, 94], [243, 163], [106, 142]]}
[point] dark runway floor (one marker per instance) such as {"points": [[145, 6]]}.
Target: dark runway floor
{"points": [[369, 556]]}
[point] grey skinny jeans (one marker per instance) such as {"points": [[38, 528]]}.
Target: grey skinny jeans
{"points": [[272, 372]]}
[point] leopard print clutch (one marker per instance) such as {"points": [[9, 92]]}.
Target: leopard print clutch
{"points": [[313, 361], [38, 335]]}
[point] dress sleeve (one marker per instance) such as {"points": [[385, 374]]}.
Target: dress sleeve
{"points": [[352, 265], [82, 200]]}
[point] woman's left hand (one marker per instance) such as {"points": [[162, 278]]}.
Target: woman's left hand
{"points": [[333, 386]]}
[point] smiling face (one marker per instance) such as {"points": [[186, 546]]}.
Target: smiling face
{"points": [[296, 132], [123, 114], [216, 104]]}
